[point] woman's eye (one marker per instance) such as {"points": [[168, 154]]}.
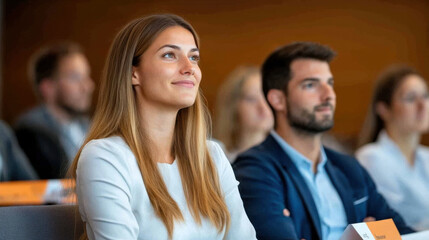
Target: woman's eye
{"points": [[250, 99], [194, 58], [168, 55]]}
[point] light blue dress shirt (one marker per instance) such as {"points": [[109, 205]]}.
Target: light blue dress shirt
{"points": [[329, 205], [405, 187]]}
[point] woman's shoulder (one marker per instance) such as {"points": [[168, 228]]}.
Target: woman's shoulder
{"points": [[112, 149], [370, 149], [424, 149], [109, 144], [219, 158], [216, 151]]}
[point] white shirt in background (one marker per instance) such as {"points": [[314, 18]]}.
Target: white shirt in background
{"points": [[405, 187]]}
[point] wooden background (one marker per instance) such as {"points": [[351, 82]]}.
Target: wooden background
{"points": [[368, 35]]}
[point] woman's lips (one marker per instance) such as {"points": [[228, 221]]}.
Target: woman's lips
{"points": [[184, 83]]}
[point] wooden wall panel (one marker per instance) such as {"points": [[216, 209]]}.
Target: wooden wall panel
{"points": [[368, 35]]}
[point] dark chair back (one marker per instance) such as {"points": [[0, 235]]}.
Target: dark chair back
{"points": [[40, 222]]}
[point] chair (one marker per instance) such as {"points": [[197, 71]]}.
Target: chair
{"points": [[40, 222]]}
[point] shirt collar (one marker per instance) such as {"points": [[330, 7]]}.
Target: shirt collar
{"points": [[297, 158], [384, 139]]}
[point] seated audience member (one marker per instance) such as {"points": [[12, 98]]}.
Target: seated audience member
{"points": [[146, 170], [292, 187], [243, 118], [13, 163], [52, 133], [399, 165]]}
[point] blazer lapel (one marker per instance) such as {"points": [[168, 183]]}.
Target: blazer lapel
{"points": [[343, 187], [298, 181]]}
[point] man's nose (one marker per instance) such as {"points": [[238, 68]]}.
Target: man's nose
{"points": [[328, 92]]}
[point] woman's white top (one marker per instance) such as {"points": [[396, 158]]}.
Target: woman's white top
{"points": [[114, 204], [405, 187]]}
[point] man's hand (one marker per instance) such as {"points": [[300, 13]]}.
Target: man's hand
{"points": [[286, 212]]}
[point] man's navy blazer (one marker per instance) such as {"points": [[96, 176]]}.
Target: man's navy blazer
{"points": [[270, 182]]}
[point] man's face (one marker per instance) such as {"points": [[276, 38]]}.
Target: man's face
{"points": [[310, 98], [74, 85]]}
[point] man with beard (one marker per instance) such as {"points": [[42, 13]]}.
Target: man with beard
{"points": [[292, 187], [52, 133]]}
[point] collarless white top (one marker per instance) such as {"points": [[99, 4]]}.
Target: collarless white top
{"points": [[114, 204], [405, 187]]}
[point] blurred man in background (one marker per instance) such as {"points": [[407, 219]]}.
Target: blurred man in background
{"points": [[52, 133]]}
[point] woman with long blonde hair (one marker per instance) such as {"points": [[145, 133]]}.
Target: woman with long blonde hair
{"points": [[146, 170]]}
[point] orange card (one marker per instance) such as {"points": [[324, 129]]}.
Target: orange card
{"points": [[384, 229]]}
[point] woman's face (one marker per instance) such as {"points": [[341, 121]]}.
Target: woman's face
{"points": [[409, 111], [253, 111], [168, 75]]}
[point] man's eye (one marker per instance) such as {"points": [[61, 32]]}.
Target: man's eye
{"points": [[308, 85], [410, 98], [75, 77]]}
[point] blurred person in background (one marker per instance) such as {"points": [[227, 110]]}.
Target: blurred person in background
{"points": [[390, 143], [52, 133], [13, 162], [243, 118]]}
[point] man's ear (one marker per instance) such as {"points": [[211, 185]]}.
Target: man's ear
{"points": [[48, 89], [383, 111], [277, 99], [135, 79]]}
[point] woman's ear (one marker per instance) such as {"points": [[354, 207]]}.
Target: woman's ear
{"points": [[277, 100], [382, 110], [135, 79]]}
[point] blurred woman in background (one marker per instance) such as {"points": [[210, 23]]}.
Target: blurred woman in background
{"points": [[243, 117], [146, 170], [390, 143]]}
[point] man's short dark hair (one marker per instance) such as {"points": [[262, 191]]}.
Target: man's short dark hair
{"points": [[276, 72], [44, 63]]}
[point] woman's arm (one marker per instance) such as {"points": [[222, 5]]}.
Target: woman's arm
{"points": [[104, 192], [240, 226]]}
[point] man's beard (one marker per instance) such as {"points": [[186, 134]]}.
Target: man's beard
{"points": [[305, 121], [72, 111]]}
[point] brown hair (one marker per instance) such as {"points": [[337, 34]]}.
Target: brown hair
{"points": [[44, 63], [227, 125], [117, 114], [385, 87]]}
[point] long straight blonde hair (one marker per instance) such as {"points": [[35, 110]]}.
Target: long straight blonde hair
{"points": [[117, 114]]}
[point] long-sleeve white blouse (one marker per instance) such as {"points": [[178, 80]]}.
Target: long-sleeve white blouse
{"points": [[114, 204]]}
